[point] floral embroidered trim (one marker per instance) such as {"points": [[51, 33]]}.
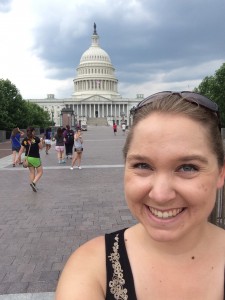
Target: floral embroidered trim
{"points": [[117, 282]]}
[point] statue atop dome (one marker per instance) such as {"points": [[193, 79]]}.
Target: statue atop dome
{"points": [[95, 32]]}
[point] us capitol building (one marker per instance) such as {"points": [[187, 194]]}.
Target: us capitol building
{"points": [[95, 100]]}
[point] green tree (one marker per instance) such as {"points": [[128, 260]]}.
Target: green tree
{"points": [[36, 116], [16, 112], [213, 87]]}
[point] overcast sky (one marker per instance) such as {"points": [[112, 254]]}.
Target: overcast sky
{"points": [[153, 45]]}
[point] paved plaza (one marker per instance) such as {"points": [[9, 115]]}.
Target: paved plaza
{"points": [[39, 231]]}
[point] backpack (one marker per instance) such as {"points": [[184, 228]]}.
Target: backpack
{"points": [[70, 137]]}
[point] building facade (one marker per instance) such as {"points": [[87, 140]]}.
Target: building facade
{"points": [[95, 99]]}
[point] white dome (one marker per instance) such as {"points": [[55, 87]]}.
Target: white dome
{"points": [[94, 54], [95, 73]]}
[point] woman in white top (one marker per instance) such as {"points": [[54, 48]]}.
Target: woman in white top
{"points": [[78, 149]]}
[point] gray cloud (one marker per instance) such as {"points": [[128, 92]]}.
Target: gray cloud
{"points": [[5, 5], [144, 38]]}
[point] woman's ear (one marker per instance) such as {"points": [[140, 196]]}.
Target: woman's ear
{"points": [[221, 177]]}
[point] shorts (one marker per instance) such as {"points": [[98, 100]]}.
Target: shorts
{"points": [[59, 148], [34, 162], [47, 142], [78, 150], [17, 149]]}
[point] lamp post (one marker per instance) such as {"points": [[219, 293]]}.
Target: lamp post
{"points": [[75, 121], [61, 117], [68, 119], [52, 112], [122, 116], [132, 111]]}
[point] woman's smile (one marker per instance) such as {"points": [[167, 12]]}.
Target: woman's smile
{"points": [[165, 214]]}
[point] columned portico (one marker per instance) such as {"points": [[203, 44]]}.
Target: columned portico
{"points": [[102, 110]]}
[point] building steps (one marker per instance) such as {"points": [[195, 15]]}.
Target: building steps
{"points": [[97, 122]]}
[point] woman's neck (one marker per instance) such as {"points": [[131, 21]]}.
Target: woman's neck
{"points": [[193, 241]]}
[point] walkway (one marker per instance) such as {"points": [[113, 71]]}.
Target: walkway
{"points": [[38, 231]]}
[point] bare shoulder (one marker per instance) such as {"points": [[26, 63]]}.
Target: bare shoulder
{"points": [[84, 275]]}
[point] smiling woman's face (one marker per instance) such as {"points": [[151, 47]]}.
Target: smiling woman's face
{"points": [[171, 176]]}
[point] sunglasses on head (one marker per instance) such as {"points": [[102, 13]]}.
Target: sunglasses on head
{"points": [[186, 95]]}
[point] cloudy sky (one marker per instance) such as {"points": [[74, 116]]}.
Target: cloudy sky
{"points": [[154, 45]]}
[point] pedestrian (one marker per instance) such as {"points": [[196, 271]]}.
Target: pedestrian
{"points": [[69, 141], [32, 145], [174, 166], [78, 149], [59, 141], [47, 137], [123, 128], [16, 145], [114, 128]]}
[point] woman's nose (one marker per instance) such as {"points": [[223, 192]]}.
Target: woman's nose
{"points": [[162, 188]]}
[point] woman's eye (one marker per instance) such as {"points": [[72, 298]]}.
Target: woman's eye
{"points": [[141, 166], [188, 168]]}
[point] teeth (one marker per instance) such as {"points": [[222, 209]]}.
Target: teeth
{"points": [[165, 214]]}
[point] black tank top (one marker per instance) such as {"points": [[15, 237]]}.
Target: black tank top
{"points": [[120, 282]]}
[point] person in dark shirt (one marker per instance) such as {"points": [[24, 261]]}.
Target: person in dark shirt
{"points": [[32, 145], [69, 141], [47, 137]]}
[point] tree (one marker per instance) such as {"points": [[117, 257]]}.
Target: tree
{"points": [[16, 112], [36, 116], [213, 87]]}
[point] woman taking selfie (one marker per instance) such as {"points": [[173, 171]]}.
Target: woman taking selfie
{"points": [[174, 166], [32, 145]]}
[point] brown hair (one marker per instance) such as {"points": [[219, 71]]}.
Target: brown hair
{"points": [[59, 132], [30, 132], [174, 104], [15, 131]]}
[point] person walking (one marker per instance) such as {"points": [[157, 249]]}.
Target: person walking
{"points": [[69, 141], [78, 149], [16, 145], [174, 167], [115, 128], [32, 145], [59, 145], [123, 128], [47, 137]]}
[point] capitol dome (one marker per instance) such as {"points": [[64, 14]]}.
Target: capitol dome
{"points": [[95, 53], [95, 73]]}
